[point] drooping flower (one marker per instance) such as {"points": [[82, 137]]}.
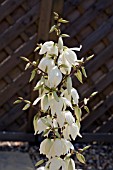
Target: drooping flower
{"points": [[69, 117], [46, 64], [71, 130], [65, 66], [60, 147], [40, 126], [73, 95], [69, 164], [44, 103], [49, 47], [55, 163], [54, 77], [56, 106], [45, 146], [46, 47]]}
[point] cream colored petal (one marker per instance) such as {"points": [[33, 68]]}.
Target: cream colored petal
{"points": [[60, 44], [76, 48], [46, 64], [69, 117], [56, 163], [54, 77], [44, 103], [75, 96], [70, 56], [45, 47]]}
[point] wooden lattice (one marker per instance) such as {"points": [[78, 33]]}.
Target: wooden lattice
{"points": [[91, 24]]}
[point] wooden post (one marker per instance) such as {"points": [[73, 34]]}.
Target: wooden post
{"points": [[47, 7]]}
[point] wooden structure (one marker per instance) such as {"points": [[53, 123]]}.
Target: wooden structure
{"points": [[23, 23]]}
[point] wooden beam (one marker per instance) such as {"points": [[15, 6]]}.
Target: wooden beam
{"points": [[21, 24], [97, 113], [9, 6], [44, 20], [30, 137]]}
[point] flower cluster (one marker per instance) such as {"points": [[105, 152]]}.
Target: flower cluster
{"points": [[58, 119], [58, 101]]}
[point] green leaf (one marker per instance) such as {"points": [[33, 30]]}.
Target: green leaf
{"points": [[27, 66], [21, 98], [27, 101], [61, 20], [79, 75], [52, 28], [78, 113], [78, 123], [93, 94], [35, 123], [26, 106], [86, 108], [84, 71], [55, 96], [69, 84], [39, 162], [25, 59], [17, 101], [63, 65], [86, 147], [90, 57], [37, 48], [65, 35], [80, 157], [37, 87], [33, 73]]}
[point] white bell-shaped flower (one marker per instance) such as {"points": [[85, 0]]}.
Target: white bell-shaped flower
{"points": [[46, 47], [54, 77], [60, 147], [75, 96], [52, 51], [55, 106], [71, 130], [70, 164], [55, 163], [44, 103], [45, 146], [61, 119], [46, 64], [65, 66], [40, 127], [66, 103], [66, 95], [70, 56], [69, 117]]}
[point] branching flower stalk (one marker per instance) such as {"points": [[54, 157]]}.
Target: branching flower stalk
{"points": [[61, 110]]}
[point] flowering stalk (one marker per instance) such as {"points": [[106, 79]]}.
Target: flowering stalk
{"points": [[60, 113]]}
